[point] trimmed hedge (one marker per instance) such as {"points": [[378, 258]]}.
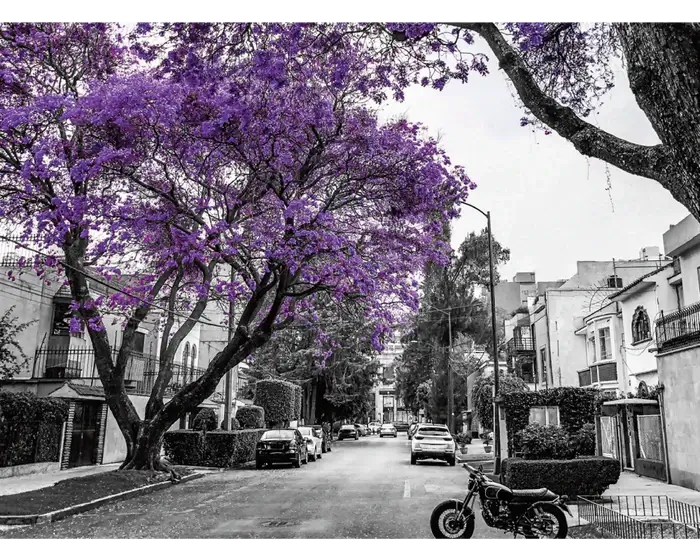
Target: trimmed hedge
{"points": [[544, 442], [577, 407], [298, 394], [586, 476], [251, 417], [206, 420], [277, 398], [211, 449], [30, 428]]}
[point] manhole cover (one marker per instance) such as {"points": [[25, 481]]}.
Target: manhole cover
{"points": [[276, 523]]}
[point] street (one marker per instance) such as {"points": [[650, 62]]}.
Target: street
{"points": [[362, 489]]}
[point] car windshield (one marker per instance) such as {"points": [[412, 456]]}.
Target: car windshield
{"points": [[278, 434], [387, 425], [348, 427], [306, 431], [432, 431]]}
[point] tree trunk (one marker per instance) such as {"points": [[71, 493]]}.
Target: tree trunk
{"points": [[312, 403], [144, 452]]}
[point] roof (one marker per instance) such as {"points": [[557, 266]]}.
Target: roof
{"points": [[640, 280]]}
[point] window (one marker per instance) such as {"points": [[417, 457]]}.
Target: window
{"points": [[139, 342], [194, 356], [679, 296], [544, 415], [185, 359], [614, 282], [591, 346], [543, 360], [605, 343], [61, 318], [640, 325]]}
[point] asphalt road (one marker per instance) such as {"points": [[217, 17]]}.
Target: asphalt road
{"points": [[363, 489]]}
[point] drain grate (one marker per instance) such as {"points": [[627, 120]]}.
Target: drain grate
{"points": [[276, 523]]}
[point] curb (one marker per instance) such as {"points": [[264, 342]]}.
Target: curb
{"points": [[80, 508], [219, 469]]}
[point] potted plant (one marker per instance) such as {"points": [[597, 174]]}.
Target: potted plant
{"points": [[462, 440], [487, 438]]}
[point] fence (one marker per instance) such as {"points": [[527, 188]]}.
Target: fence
{"points": [[79, 364], [678, 328], [12, 255], [641, 517], [30, 442]]}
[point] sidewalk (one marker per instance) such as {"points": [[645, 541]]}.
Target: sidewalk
{"points": [[631, 484], [27, 483]]}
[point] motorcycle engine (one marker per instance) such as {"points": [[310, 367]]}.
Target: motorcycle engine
{"points": [[495, 514]]}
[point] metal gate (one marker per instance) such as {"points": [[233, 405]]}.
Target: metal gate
{"points": [[86, 428], [608, 436], [649, 440]]}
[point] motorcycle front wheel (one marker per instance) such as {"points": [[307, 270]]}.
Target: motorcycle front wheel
{"points": [[445, 522]]}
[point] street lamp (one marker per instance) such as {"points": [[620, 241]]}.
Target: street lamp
{"points": [[496, 417]]}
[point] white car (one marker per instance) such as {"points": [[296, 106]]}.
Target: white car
{"points": [[387, 430], [433, 442], [314, 444]]}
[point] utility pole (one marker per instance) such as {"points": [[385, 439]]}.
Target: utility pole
{"points": [[450, 384], [494, 334], [227, 397]]}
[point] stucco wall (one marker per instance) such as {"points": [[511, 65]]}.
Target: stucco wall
{"points": [[568, 351], [680, 374], [690, 262], [636, 357]]}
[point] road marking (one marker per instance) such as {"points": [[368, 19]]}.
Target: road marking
{"points": [[406, 489]]}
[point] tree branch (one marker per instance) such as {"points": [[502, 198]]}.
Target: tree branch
{"points": [[652, 162]]}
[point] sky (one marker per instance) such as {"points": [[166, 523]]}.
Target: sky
{"points": [[549, 204]]}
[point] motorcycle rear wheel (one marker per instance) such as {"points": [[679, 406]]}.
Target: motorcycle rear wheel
{"points": [[445, 525], [550, 513]]}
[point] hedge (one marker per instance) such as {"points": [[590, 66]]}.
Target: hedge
{"points": [[235, 425], [211, 449], [577, 407], [586, 476], [30, 428], [251, 417], [206, 420], [277, 398], [298, 393]]}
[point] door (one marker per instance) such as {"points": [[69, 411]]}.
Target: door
{"points": [[608, 435], [83, 447]]}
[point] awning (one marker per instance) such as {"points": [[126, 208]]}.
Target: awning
{"points": [[631, 401]]}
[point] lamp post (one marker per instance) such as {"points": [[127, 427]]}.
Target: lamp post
{"points": [[496, 417]]}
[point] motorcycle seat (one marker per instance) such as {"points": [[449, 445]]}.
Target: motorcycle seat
{"points": [[533, 495]]}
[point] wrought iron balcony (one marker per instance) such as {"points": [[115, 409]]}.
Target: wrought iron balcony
{"points": [[521, 342], [78, 365], [679, 328]]}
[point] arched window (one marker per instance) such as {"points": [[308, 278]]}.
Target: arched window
{"points": [[185, 359], [642, 390], [641, 329], [194, 360]]}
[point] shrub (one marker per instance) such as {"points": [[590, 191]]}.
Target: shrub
{"points": [[583, 441], [277, 398], [251, 417], [212, 449], [577, 407], [298, 393], [183, 447], [544, 442], [30, 428], [206, 420], [234, 425], [589, 476], [463, 439]]}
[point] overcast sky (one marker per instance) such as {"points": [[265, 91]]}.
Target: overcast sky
{"points": [[548, 203]]}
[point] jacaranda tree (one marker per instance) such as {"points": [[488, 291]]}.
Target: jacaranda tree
{"points": [[163, 158]]}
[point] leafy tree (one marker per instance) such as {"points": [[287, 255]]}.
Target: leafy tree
{"points": [[482, 395], [166, 158], [12, 356]]}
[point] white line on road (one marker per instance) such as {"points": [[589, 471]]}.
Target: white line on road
{"points": [[406, 489]]}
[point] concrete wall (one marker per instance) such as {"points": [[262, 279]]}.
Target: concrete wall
{"points": [[680, 374], [636, 358], [568, 351]]}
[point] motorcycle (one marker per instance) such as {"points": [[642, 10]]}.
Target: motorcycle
{"points": [[534, 514]]}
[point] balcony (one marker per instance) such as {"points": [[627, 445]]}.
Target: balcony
{"points": [[597, 374], [78, 365], [678, 329], [521, 342]]}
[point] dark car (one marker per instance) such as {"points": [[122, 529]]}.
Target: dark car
{"points": [[401, 426], [281, 446], [348, 431], [325, 437]]}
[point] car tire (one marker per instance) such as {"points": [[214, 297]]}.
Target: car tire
{"points": [[312, 458], [320, 455], [357, 437], [323, 448], [296, 463], [451, 461], [259, 465], [413, 459]]}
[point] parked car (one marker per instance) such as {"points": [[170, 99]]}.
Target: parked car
{"points": [[374, 427], [361, 429], [412, 429], [281, 446], [387, 430], [433, 442], [314, 444], [325, 438], [348, 431], [401, 426]]}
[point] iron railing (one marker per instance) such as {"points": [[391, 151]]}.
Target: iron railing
{"points": [[12, 255], [679, 328], [641, 517], [521, 341], [78, 364]]}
